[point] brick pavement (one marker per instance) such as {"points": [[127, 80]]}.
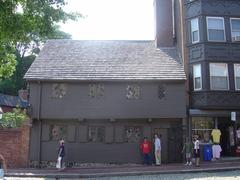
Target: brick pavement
{"points": [[124, 170]]}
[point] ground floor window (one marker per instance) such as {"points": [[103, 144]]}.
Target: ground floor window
{"points": [[202, 126], [58, 132], [133, 134], [96, 133]]}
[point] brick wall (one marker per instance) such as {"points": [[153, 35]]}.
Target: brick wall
{"points": [[14, 145]]}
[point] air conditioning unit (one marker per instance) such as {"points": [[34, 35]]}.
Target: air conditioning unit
{"points": [[236, 38]]}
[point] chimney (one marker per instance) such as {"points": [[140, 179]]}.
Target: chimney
{"points": [[23, 95], [164, 27]]}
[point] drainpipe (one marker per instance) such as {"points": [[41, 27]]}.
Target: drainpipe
{"points": [[40, 123], [173, 19]]}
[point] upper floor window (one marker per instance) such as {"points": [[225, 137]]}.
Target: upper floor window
{"points": [[215, 29], [219, 76], [195, 30], [59, 90], [197, 77], [237, 76], [96, 90], [235, 29], [133, 92]]}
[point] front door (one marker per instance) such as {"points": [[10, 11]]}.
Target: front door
{"points": [[164, 143]]}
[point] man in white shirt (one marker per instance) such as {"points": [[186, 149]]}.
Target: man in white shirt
{"points": [[157, 144]]}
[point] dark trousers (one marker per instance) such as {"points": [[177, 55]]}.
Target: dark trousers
{"points": [[147, 159]]}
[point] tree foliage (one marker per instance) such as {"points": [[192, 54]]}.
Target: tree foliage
{"points": [[26, 23], [13, 119]]}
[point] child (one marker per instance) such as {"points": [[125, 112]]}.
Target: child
{"points": [[3, 167], [146, 149], [188, 147]]}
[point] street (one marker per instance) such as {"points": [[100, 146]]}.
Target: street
{"points": [[227, 175]]}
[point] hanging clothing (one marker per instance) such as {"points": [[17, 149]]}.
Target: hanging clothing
{"points": [[216, 150], [216, 133]]}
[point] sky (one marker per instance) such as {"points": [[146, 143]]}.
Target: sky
{"points": [[111, 20]]}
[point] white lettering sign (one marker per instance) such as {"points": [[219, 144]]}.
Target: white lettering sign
{"points": [[233, 116]]}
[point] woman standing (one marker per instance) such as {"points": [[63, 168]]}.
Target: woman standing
{"points": [[61, 154], [3, 167], [196, 150]]}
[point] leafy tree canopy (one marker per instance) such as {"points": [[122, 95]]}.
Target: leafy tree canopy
{"points": [[26, 23]]}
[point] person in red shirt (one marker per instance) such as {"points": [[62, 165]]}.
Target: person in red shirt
{"points": [[146, 151]]}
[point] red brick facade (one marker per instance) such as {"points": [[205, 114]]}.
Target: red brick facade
{"points": [[14, 146]]}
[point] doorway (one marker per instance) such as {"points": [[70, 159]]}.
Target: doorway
{"points": [[161, 132], [226, 126]]}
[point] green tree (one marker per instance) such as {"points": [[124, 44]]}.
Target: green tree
{"points": [[24, 25], [13, 119]]}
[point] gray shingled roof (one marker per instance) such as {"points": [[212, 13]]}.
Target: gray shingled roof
{"points": [[105, 60]]}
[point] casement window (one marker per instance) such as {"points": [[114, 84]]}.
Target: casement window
{"points": [[195, 30], [215, 29], [96, 90], [197, 77], [219, 76], [237, 76], [96, 133], [133, 134], [235, 29]]}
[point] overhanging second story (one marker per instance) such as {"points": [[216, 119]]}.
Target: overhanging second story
{"points": [[213, 30]]}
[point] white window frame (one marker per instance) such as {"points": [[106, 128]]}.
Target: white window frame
{"points": [[194, 31], [235, 79], [211, 80], [224, 40], [197, 89], [232, 28]]}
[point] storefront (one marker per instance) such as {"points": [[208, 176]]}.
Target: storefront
{"points": [[206, 123]]}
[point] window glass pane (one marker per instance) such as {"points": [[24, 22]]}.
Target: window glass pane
{"points": [[237, 82], [217, 35], [194, 25], [197, 70], [235, 33], [218, 69], [202, 126], [195, 36], [215, 23], [235, 24], [133, 134], [96, 133], [219, 83], [237, 70], [197, 83]]}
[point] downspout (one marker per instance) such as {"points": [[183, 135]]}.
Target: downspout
{"points": [[40, 123], [173, 19]]}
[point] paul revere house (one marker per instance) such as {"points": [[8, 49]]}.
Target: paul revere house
{"points": [[103, 97]]}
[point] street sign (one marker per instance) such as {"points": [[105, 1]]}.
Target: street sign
{"points": [[233, 116]]}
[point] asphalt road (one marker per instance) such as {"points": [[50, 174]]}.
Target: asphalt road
{"points": [[227, 175]]}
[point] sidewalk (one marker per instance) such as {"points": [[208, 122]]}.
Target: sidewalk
{"points": [[124, 170]]}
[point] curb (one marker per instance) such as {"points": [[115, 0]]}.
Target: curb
{"points": [[121, 174]]}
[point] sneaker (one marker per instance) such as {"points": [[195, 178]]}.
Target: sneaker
{"points": [[186, 164], [190, 163]]}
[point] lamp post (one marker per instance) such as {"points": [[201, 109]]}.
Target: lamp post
{"points": [[1, 113]]}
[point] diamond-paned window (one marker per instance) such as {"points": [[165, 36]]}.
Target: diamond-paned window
{"points": [[161, 91], [96, 90], [96, 133], [133, 92], [59, 90], [132, 134], [58, 132]]}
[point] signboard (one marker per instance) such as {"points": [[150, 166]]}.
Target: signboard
{"points": [[233, 116]]}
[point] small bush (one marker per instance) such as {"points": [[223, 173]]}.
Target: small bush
{"points": [[13, 119]]}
